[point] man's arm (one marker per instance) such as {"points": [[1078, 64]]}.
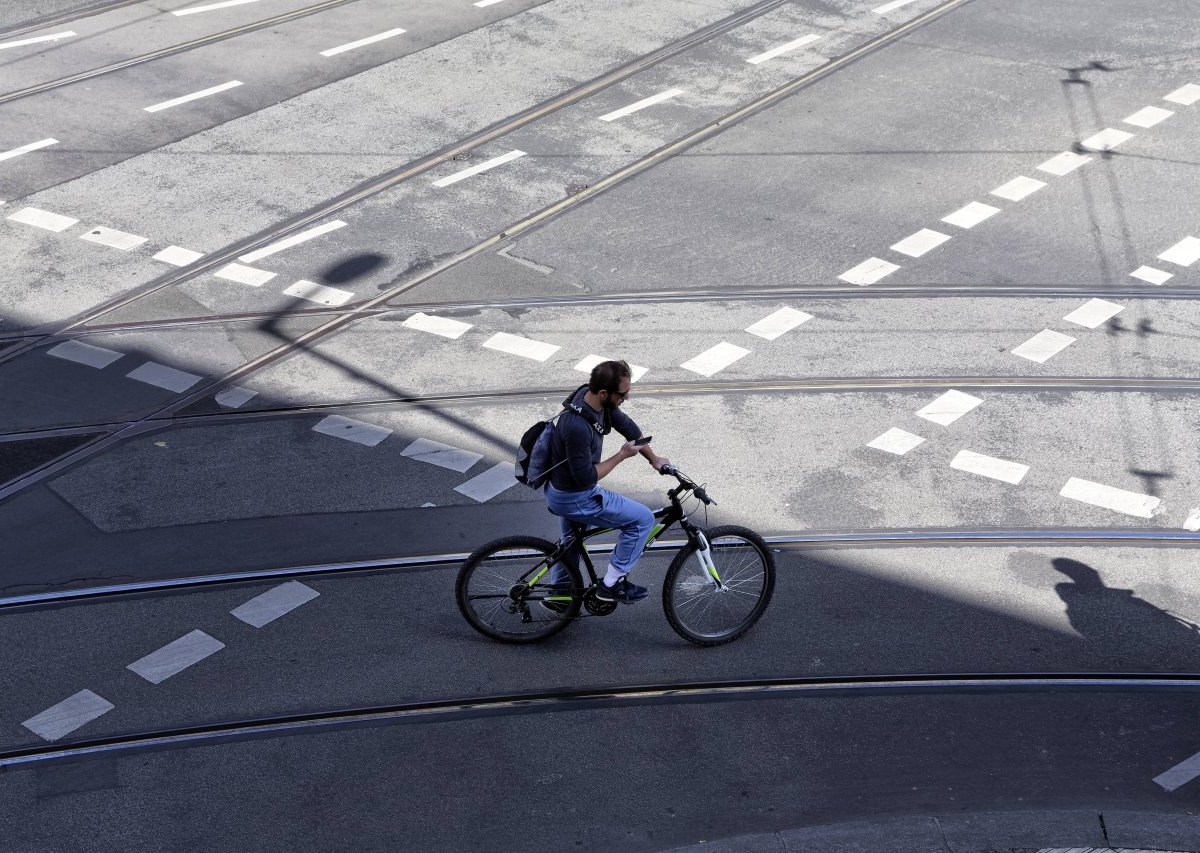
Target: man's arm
{"points": [[625, 425]]}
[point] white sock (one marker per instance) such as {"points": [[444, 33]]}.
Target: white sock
{"points": [[612, 576]]}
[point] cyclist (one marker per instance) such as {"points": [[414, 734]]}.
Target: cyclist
{"points": [[573, 492]]}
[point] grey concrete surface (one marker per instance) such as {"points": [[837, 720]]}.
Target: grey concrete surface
{"points": [[30, 12]]}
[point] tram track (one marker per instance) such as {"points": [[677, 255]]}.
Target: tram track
{"points": [[579, 699], [66, 18]]}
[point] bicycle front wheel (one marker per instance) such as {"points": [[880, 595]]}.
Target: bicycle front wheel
{"points": [[708, 613], [504, 591]]}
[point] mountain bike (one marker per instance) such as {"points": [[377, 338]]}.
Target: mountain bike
{"points": [[717, 586]]}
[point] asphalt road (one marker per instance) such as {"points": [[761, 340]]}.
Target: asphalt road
{"points": [[917, 278]]}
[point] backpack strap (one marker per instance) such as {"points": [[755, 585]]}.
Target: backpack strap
{"points": [[586, 413]]}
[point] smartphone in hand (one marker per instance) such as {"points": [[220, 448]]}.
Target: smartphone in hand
{"points": [[643, 441]]}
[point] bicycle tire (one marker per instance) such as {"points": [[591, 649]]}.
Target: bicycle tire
{"points": [[675, 586], [545, 624]]}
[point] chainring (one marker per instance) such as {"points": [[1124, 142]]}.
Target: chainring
{"points": [[595, 606]]}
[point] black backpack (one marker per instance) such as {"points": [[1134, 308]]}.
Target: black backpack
{"points": [[532, 465]]}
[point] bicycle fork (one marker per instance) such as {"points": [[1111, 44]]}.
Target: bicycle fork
{"points": [[708, 567]]}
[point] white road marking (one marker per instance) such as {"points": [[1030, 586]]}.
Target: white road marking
{"points": [[178, 256], [162, 376], [779, 323], [288, 242], [1152, 275], [204, 93], [715, 358], [493, 481], [1018, 188], [234, 397], [192, 10], [641, 105], [949, 407], [887, 7], [782, 49], [590, 361], [342, 48], [1107, 139], [442, 455], [318, 293], [115, 239], [1187, 95], [444, 326], [359, 432], [275, 602], [25, 149], [482, 167], [971, 215], [176, 656], [1094, 312], [868, 272], [1061, 164], [483, 3], [42, 219], [896, 441], [82, 353], [1179, 775], [1148, 117], [37, 39], [1193, 520], [1043, 346], [68, 715], [244, 275], [427, 504], [1184, 253], [989, 466], [1108, 497], [524, 347], [918, 244]]}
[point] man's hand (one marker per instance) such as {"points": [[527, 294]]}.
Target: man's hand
{"points": [[629, 449], [660, 462]]}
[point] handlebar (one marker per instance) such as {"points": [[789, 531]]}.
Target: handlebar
{"points": [[687, 484]]}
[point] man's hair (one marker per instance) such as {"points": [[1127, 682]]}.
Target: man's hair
{"points": [[607, 376]]}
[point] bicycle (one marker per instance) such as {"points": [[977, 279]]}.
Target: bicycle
{"points": [[717, 586]]}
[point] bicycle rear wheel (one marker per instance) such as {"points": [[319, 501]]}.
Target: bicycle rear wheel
{"points": [[709, 614], [494, 595]]}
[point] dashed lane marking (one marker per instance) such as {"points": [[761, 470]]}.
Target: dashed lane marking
{"points": [[1184, 253], [949, 407], [641, 105], [782, 49], [1151, 275], [1107, 139], [778, 324], [590, 361], [989, 466], [244, 275], [113, 238], [178, 256], [896, 441], [25, 149], [1064, 163], [1043, 346], [162, 376], [288, 242], [483, 3], [493, 481], [442, 455], [176, 656], [1179, 775], [225, 4], [342, 48], [1109, 497], [1094, 312], [918, 244], [524, 347], [359, 432], [481, 167], [971, 215], [275, 602], [443, 326], [38, 39], [318, 293], [81, 353], [1187, 95], [888, 7], [1018, 188], [60, 720], [43, 219], [869, 272], [203, 93], [1193, 520], [1148, 117], [715, 359], [235, 397]]}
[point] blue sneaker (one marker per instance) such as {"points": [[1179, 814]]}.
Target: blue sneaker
{"points": [[622, 591]]}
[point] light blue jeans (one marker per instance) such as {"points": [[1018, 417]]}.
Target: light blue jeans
{"points": [[599, 507]]}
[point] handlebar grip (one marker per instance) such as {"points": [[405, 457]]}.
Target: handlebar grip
{"points": [[669, 471]]}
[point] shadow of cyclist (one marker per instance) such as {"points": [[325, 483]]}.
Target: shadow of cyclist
{"points": [[1120, 621]]}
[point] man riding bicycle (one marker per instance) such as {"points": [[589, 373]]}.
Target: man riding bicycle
{"points": [[573, 492]]}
